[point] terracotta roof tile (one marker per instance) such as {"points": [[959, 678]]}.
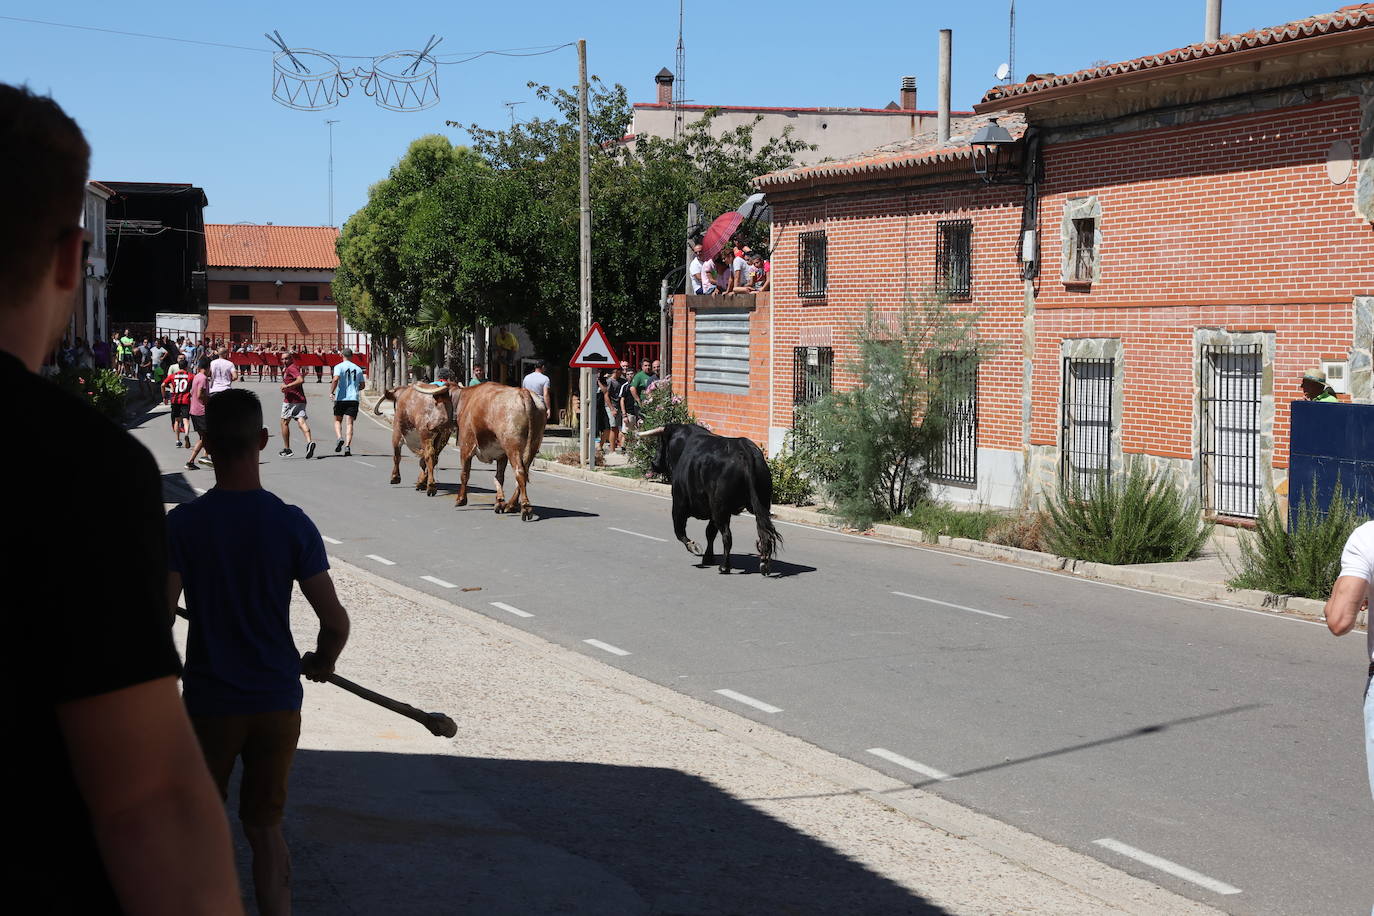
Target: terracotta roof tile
{"points": [[1347, 18], [922, 152], [293, 247]]}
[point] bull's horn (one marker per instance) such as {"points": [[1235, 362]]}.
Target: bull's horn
{"points": [[656, 431]]}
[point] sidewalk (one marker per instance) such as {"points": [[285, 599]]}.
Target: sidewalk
{"points": [[574, 787]]}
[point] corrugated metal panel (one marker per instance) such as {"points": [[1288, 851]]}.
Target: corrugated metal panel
{"points": [[722, 351], [1331, 442]]}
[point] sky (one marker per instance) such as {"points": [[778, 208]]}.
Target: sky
{"points": [[171, 111]]}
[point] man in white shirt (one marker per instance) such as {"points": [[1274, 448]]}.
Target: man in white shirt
{"points": [[537, 384], [222, 375], [1354, 590], [696, 269]]}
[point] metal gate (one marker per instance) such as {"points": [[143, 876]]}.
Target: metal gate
{"points": [[957, 459], [1229, 428], [722, 351], [1085, 425]]}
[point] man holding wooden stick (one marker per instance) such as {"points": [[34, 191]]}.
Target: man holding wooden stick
{"points": [[237, 551]]}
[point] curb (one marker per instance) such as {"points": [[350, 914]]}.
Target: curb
{"points": [[1177, 586]]}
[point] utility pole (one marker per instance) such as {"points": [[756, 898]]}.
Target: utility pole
{"points": [[331, 169], [585, 279]]}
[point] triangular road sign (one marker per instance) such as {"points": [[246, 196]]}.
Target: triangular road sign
{"points": [[595, 351]]}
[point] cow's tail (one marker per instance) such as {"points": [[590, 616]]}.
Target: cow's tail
{"points": [[761, 505], [387, 395]]}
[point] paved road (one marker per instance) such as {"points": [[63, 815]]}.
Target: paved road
{"points": [[1212, 750]]}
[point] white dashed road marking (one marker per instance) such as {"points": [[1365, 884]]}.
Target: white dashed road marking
{"points": [[638, 535], [749, 701], [201, 490], [439, 582], [383, 560], [605, 647], [329, 540], [509, 609], [364, 463], [960, 607], [1164, 865], [908, 763]]}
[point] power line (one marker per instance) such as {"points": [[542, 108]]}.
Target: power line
{"points": [[530, 51]]}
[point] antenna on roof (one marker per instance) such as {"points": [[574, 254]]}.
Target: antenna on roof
{"points": [[679, 78], [510, 108], [1011, 46]]}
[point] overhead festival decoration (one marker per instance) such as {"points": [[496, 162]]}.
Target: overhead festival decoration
{"points": [[309, 80]]}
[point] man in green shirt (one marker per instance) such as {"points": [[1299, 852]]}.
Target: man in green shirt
{"points": [[640, 383], [126, 352], [479, 375], [1315, 388]]}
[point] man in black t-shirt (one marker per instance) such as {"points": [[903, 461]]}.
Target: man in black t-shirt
{"points": [[113, 805]]}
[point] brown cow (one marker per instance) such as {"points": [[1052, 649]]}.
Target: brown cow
{"points": [[424, 421], [501, 424]]}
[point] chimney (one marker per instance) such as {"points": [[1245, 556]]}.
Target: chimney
{"points": [[942, 88], [1213, 20], [908, 95], [664, 80]]}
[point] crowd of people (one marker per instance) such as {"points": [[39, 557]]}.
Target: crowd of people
{"points": [[620, 402], [735, 269]]}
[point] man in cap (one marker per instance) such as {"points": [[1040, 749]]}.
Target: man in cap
{"points": [[1315, 388]]}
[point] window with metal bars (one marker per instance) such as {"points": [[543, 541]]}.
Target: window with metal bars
{"points": [[1231, 379], [956, 376], [1084, 249], [954, 258], [813, 374], [1086, 422], [811, 264]]}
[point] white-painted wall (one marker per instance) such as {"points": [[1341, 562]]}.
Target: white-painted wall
{"points": [[836, 132], [1000, 473]]}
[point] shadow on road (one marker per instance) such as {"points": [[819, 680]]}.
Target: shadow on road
{"points": [[749, 563], [177, 489], [406, 833]]}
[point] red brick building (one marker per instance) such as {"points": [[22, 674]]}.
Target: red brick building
{"points": [[272, 283], [1176, 239]]}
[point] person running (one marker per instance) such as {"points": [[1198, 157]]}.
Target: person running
{"points": [[293, 407], [200, 396], [237, 552], [107, 784], [177, 387], [222, 374], [537, 384], [345, 389]]}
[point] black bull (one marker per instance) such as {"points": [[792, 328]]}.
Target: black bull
{"points": [[713, 478]]}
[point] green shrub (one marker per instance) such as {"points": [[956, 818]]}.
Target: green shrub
{"points": [[660, 407], [1304, 561], [1026, 531], [1139, 519], [790, 484], [935, 519], [873, 447], [103, 389]]}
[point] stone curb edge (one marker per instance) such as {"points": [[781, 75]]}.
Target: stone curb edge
{"points": [[1178, 586], [1112, 886]]}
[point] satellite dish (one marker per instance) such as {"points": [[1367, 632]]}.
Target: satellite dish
{"points": [[1004, 71]]}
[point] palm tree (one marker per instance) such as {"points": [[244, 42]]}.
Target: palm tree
{"points": [[434, 325]]}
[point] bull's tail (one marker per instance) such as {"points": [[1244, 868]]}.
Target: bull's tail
{"points": [[387, 395], [761, 505]]}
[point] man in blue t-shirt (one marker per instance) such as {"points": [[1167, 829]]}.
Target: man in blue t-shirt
{"points": [[346, 388], [237, 551]]}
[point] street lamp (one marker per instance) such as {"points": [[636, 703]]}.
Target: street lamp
{"points": [[992, 152]]}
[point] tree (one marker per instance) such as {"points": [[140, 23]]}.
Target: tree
{"points": [[640, 194], [874, 447]]}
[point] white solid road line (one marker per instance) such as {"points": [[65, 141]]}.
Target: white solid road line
{"points": [[383, 560], [908, 763], [638, 535], [329, 540], [749, 701], [1164, 865], [605, 647], [510, 609], [960, 607], [439, 582]]}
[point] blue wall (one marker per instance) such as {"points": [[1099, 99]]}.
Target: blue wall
{"points": [[1330, 442]]}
